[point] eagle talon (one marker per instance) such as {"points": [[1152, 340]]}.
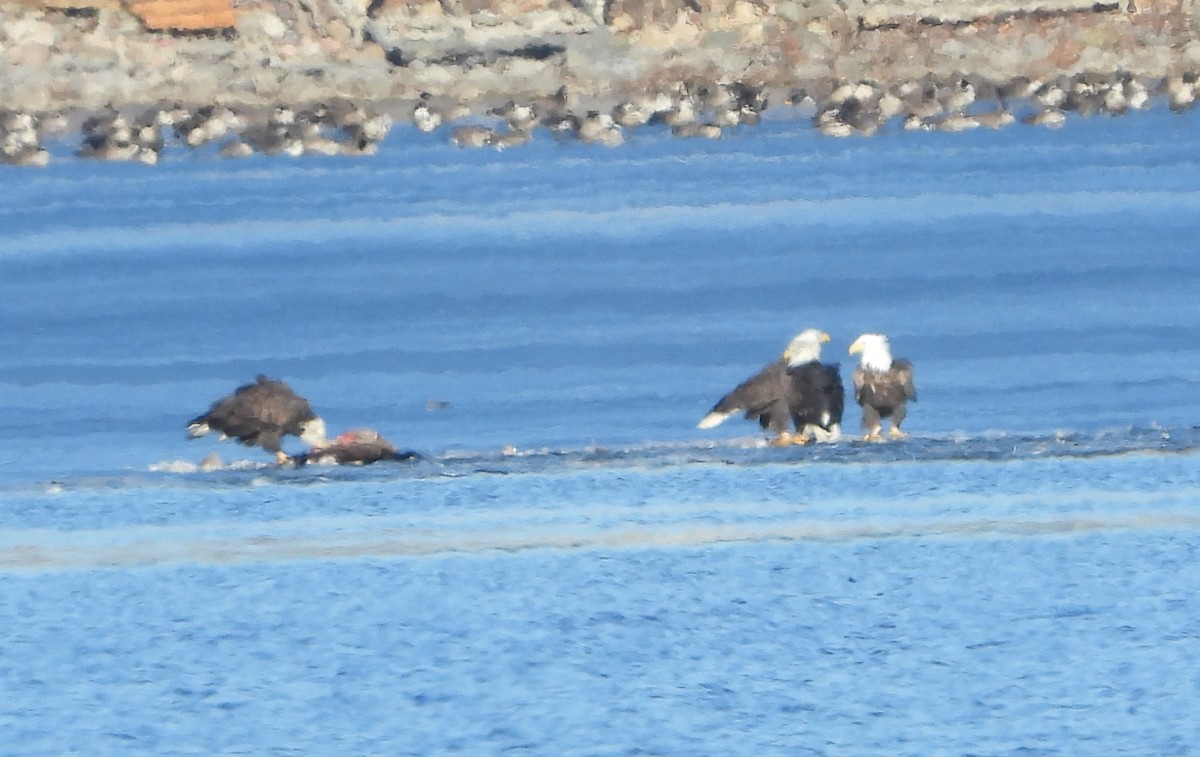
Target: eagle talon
{"points": [[282, 458], [896, 433], [874, 435], [800, 440], [783, 440]]}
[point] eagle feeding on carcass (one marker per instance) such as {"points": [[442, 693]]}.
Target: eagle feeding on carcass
{"points": [[260, 415]]}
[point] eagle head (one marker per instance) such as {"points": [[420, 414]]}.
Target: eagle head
{"points": [[805, 347], [312, 433], [876, 353]]}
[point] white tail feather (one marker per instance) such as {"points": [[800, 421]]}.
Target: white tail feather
{"points": [[712, 420], [821, 435]]}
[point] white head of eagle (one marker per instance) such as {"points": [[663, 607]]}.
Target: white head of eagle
{"points": [[805, 347], [313, 432], [876, 352]]}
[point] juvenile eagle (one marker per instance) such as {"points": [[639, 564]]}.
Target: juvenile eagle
{"points": [[361, 446], [883, 385], [797, 388], [261, 414]]}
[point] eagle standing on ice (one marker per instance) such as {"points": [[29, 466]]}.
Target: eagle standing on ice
{"points": [[883, 385], [260, 415], [797, 388]]}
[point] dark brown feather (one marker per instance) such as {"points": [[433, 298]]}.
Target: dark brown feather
{"points": [[885, 392], [259, 414]]}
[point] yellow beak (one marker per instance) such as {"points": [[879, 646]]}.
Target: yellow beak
{"points": [[856, 347]]}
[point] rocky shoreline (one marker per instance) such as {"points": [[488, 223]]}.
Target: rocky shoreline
{"points": [[331, 76]]}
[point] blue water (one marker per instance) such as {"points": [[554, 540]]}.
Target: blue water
{"points": [[574, 568]]}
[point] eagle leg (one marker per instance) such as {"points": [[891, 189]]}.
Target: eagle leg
{"points": [[282, 458]]}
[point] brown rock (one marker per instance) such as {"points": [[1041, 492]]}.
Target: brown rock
{"points": [[29, 55], [337, 31], [1066, 53]]}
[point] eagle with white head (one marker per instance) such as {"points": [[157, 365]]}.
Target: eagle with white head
{"points": [[883, 386], [797, 388], [260, 415]]}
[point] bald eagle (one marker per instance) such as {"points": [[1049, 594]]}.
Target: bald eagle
{"points": [[797, 388], [361, 446], [883, 385], [261, 414]]}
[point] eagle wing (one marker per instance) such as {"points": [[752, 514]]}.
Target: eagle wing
{"points": [[887, 389], [860, 379], [762, 397], [259, 414], [903, 371], [274, 403]]}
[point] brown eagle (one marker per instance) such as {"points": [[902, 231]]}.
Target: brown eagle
{"points": [[798, 388], [260, 415]]}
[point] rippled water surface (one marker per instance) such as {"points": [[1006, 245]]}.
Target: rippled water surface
{"points": [[573, 567]]}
